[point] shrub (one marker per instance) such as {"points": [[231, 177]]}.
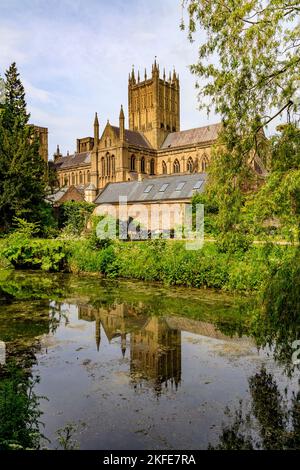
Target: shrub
{"points": [[24, 252], [234, 242], [75, 215], [19, 411], [81, 258]]}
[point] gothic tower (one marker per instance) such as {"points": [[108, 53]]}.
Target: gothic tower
{"points": [[154, 106]]}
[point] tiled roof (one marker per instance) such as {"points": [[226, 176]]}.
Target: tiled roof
{"points": [[55, 197], [151, 189], [133, 137], [59, 193], [192, 136], [73, 161]]}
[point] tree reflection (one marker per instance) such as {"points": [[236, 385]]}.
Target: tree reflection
{"points": [[276, 322], [273, 421]]}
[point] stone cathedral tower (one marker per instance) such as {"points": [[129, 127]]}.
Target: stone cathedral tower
{"points": [[154, 107]]}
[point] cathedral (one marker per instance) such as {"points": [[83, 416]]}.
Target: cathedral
{"points": [[151, 146]]}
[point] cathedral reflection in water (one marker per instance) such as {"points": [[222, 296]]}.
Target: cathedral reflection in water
{"points": [[155, 346]]}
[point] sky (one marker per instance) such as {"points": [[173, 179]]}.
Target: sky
{"points": [[74, 57]]}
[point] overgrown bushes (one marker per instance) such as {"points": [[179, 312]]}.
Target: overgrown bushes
{"points": [[19, 411], [73, 216], [165, 261], [22, 251]]}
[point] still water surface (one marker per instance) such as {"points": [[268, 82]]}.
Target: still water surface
{"points": [[138, 366]]}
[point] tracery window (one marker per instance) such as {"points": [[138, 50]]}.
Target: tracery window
{"points": [[190, 165], [176, 166]]}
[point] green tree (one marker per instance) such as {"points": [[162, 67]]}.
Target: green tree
{"points": [[249, 59], [15, 113], [279, 198], [22, 170], [249, 66], [2, 93]]}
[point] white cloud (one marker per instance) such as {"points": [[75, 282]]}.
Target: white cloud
{"points": [[75, 56]]}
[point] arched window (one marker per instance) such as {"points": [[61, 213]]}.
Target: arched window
{"points": [[102, 166], [204, 165], [73, 178], [107, 164], [176, 166], [113, 165], [132, 163], [190, 165], [164, 168], [80, 177], [152, 166], [66, 180], [88, 176], [142, 165]]}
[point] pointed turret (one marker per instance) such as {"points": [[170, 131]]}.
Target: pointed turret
{"points": [[57, 154], [122, 124], [155, 68], [174, 75], [164, 75], [145, 74], [96, 131], [98, 333], [132, 76], [138, 77], [123, 344]]}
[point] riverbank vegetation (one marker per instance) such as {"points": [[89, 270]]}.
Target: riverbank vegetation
{"points": [[166, 261]]}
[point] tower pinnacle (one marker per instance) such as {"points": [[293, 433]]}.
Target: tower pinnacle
{"points": [[96, 131]]}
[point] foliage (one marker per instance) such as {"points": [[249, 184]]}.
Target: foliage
{"points": [[25, 229], [233, 241], [22, 170], [82, 258], [15, 112], [30, 253], [210, 212], [249, 66], [275, 321], [75, 215], [276, 419], [65, 437], [278, 199], [52, 177], [94, 242], [154, 260], [19, 410], [255, 47]]}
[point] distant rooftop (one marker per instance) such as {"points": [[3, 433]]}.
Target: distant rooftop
{"points": [[133, 137], [192, 136], [173, 187], [70, 161]]}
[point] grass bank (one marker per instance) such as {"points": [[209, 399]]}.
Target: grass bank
{"points": [[157, 260]]}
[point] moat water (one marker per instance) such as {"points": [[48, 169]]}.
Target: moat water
{"points": [[138, 366]]}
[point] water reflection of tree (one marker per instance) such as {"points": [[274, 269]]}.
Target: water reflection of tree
{"points": [[276, 323], [272, 423]]}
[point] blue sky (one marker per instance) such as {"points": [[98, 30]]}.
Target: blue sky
{"points": [[74, 57]]}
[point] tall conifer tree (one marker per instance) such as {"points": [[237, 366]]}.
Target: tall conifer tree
{"points": [[22, 170]]}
